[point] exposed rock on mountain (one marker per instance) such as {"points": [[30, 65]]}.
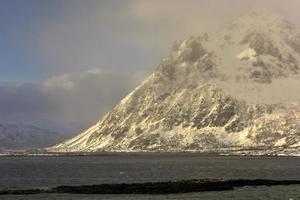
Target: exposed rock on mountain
{"points": [[234, 91]]}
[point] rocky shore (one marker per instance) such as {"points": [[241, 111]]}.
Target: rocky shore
{"points": [[171, 187]]}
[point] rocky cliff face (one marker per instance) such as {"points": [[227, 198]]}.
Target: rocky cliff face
{"points": [[237, 90]]}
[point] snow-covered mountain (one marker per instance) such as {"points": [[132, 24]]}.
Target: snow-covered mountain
{"points": [[21, 137], [235, 91]]}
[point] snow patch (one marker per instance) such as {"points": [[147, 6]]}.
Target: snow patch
{"points": [[247, 54]]}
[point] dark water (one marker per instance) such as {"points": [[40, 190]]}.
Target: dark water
{"points": [[41, 172]]}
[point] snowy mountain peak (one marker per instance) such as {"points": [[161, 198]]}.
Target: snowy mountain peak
{"points": [[187, 58], [260, 48], [237, 89]]}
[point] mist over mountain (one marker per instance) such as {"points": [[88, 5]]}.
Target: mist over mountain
{"points": [[21, 137], [236, 90]]}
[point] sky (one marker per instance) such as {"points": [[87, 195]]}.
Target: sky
{"points": [[65, 63]]}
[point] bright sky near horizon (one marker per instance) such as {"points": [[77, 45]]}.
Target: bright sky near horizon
{"points": [[65, 63]]}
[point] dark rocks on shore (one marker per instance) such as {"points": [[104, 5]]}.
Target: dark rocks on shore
{"points": [[171, 187]]}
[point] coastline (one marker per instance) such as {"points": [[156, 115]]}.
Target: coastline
{"points": [[155, 188]]}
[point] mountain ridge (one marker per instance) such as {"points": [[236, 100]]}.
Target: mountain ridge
{"points": [[16, 137], [211, 93]]}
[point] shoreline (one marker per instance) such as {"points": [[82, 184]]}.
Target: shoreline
{"points": [[190, 153], [154, 188]]}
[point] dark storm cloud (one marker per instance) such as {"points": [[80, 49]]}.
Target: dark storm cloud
{"points": [[21, 98], [68, 102]]}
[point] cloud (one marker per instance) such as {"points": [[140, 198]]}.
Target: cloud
{"points": [[133, 35], [22, 98], [126, 37], [177, 18], [67, 81], [94, 33], [68, 102]]}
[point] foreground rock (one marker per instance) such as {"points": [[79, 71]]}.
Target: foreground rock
{"points": [[172, 187]]}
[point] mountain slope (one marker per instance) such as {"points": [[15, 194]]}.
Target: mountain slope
{"points": [[237, 89], [20, 137]]}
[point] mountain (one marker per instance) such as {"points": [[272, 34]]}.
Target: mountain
{"points": [[21, 137], [236, 91]]}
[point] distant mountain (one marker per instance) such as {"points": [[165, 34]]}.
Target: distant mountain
{"points": [[236, 91], [20, 137]]}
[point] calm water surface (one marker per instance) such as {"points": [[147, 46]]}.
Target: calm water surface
{"points": [[42, 172]]}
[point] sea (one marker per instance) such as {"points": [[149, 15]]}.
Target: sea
{"points": [[24, 172]]}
